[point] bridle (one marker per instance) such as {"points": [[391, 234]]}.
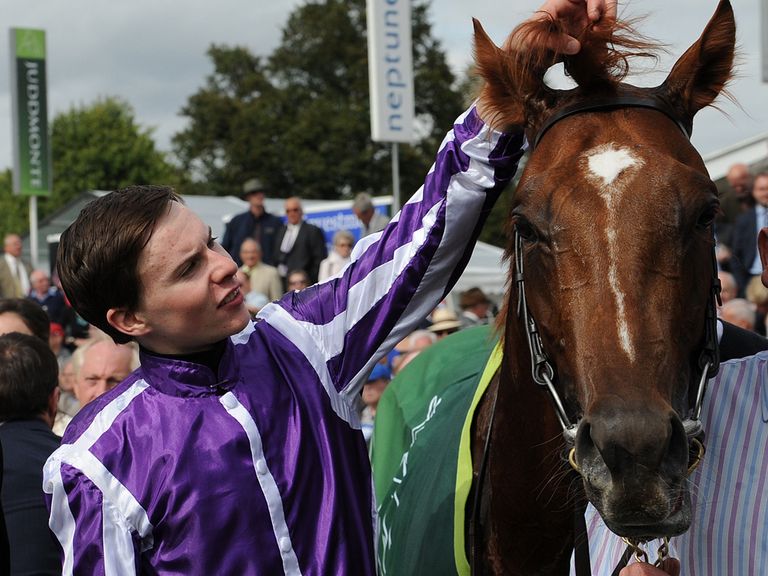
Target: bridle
{"points": [[542, 369]]}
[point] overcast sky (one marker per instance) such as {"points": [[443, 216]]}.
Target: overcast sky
{"points": [[152, 52]]}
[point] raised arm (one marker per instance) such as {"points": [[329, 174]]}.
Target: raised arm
{"points": [[398, 275]]}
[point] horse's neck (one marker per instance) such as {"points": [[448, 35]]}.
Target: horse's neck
{"points": [[529, 521]]}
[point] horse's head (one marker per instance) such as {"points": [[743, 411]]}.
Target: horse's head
{"points": [[613, 219]]}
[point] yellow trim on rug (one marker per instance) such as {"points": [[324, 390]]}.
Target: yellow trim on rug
{"points": [[464, 468]]}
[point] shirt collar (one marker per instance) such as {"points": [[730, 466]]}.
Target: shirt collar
{"points": [[185, 378]]}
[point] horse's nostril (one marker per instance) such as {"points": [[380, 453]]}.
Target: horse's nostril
{"points": [[677, 451], [634, 442], [585, 447]]}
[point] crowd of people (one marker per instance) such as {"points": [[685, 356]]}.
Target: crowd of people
{"points": [[744, 212], [276, 257], [184, 422]]}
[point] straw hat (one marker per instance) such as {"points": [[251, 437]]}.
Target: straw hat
{"points": [[444, 319]]}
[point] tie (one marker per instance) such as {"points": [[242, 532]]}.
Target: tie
{"points": [[19, 281]]}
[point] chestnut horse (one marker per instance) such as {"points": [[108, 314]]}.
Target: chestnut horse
{"points": [[608, 324]]}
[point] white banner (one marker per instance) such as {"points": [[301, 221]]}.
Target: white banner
{"points": [[390, 70]]}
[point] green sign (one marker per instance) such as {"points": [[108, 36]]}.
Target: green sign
{"points": [[32, 153]]}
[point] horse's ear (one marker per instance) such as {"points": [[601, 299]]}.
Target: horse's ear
{"points": [[702, 72], [499, 96]]}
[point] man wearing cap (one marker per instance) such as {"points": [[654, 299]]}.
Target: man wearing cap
{"points": [[257, 223], [373, 388], [474, 306]]}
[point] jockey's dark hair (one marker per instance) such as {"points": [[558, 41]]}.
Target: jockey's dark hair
{"points": [[98, 254]]}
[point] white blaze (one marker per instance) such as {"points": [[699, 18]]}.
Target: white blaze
{"points": [[609, 165]]}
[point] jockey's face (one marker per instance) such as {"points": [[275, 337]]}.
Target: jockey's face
{"points": [[190, 298]]}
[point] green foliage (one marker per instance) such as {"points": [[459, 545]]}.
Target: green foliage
{"points": [[14, 213], [300, 119], [101, 147]]}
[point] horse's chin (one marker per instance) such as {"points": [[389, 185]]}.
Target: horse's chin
{"points": [[674, 525], [645, 521]]}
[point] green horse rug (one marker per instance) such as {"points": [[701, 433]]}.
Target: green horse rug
{"points": [[422, 465]]}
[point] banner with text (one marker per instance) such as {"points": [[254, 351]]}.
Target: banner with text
{"points": [[390, 70], [31, 148]]}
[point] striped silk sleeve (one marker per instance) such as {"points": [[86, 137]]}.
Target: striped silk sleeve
{"points": [[94, 536], [397, 276]]}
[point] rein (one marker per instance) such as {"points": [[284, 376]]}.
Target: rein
{"points": [[543, 371]]}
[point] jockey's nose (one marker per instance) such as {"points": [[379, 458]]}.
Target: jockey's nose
{"points": [[223, 267]]}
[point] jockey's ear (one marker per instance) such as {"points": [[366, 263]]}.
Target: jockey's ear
{"points": [[701, 74], [762, 246]]}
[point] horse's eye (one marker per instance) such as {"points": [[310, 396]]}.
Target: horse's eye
{"points": [[707, 217], [526, 231]]}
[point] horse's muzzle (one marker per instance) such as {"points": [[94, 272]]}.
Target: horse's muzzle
{"points": [[635, 465]]}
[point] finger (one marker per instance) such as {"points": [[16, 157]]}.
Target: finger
{"points": [[601, 9], [563, 44], [671, 566]]}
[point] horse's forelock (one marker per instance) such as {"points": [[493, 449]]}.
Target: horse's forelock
{"points": [[516, 72], [607, 51]]}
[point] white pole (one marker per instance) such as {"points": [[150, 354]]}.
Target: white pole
{"points": [[395, 179], [764, 35], [33, 230]]}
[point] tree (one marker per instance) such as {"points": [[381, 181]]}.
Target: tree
{"points": [[300, 120], [101, 147], [14, 213]]}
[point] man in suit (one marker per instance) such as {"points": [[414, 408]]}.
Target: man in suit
{"points": [[29, 395], [745, 262], [735, 200], [299, 245], [257, 223], [14, 272]]}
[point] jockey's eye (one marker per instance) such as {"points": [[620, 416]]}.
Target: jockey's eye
{"points": [[707, 216]]}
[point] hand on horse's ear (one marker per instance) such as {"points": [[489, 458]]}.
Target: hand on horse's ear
{"points": [[575, 16]]}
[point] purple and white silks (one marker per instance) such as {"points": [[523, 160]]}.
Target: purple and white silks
{"points": [[261, 469]]}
